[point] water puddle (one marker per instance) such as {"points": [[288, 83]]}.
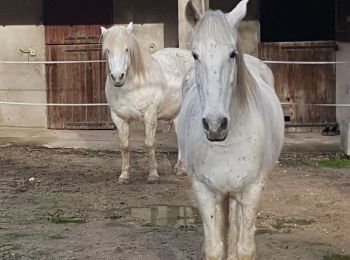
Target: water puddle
{"points": [[166, 216]]}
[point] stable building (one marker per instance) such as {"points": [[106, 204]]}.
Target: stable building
{"points": [[293, 30]]}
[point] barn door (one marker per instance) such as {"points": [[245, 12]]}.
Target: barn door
{"points": [[72, 31], [303, 84], [291, 30]]}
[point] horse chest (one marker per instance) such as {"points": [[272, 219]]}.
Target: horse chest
{"points": [[227, 169], [128, 112], [134, 105]]}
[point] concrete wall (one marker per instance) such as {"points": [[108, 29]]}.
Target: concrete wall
{"points": [[343, 81], [20, 29], [150, 36], [250, 37], [155, 11]]}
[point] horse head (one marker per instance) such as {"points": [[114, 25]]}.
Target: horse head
{"points": [[122, 52], [218, 65]]}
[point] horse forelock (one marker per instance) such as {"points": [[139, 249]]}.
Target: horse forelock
{"points": [[215, 27], [118, 38]]}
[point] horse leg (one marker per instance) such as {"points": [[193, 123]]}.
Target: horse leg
{"points": [[179, 167], [124, 135], [232, 238], [150, 130], [212, 213], [247, 212]]}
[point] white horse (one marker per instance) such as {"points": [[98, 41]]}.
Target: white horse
{"points": [[142, 87], [230, 132]]}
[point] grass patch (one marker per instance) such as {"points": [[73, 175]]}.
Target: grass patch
{"points": [[262, 231], [314, 159], [299, 222], [286, 225], [58, 217], [67, 220], [336, 257], [57, 236], [334, 163]]}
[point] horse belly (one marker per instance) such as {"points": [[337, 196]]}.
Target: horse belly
{"points": [[171, 104]]}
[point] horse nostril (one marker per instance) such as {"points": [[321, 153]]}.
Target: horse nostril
{"points": [[205, 124], [224, 124], [121, 76], [112, 76]]}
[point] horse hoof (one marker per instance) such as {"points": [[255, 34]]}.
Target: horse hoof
{"points": [[153, 180], [123, 181], [180, 172]]}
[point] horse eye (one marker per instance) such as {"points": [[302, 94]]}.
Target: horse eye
{"points": [[233, 55], [195, 56], [126, 50]]}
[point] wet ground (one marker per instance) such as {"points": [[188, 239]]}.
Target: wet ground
{"points": [[66, 204]]}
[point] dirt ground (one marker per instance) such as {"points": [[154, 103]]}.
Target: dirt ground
{"points": [[66, 204]]}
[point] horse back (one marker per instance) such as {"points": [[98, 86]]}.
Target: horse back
{"points": [[174, 64]]}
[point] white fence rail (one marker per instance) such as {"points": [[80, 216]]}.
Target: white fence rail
{"points": [[105, 104]]}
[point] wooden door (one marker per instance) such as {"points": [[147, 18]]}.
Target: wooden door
{"points": [[77, 83], [303, 84], [72, 33]]}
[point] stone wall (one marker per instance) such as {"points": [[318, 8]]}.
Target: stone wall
{"points": [[21, 29]]}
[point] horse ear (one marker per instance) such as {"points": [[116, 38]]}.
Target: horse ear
{"points": [[129, 28], [237, 14], [103, 30], [193, 15]]}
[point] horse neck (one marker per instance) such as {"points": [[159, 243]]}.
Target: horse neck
{"points": [[146, 59], [145, 53], [243, 108]]}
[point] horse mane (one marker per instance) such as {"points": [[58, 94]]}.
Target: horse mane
{"points": [[118, 38], [214, 25]]}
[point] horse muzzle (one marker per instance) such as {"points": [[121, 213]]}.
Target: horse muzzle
{"points": [[216, 130], [118, 79], [118, 84], [216, 136]]}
